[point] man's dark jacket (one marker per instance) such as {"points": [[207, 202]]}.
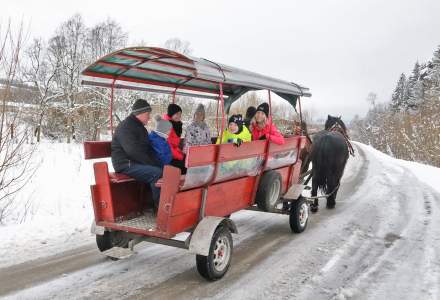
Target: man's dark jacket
{"points": [[130, 144]]}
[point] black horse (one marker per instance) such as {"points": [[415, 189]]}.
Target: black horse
{"points": [[329, 155]]}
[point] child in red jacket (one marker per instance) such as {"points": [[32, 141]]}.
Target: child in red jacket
{"points": [[263, 128], [174, 115]]}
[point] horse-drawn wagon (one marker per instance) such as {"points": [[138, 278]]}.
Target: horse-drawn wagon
{"points": [[265, 176]]}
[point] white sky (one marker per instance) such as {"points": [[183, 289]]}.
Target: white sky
{"points": [[342, 50]]}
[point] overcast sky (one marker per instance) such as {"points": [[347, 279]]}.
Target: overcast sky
{"points": [[341, 50]]}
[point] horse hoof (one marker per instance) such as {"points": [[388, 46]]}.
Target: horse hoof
{"points": [[314, 208], [331, 206]]}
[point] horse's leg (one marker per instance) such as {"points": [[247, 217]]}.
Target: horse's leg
{"points": [[333, 188], [331, 200], [314, 207], [335, 182]]}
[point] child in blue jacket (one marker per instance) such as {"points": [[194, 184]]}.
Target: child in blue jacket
{"points": [[158, 139]]}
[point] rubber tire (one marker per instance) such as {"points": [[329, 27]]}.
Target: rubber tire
{"points": [[109, 240], [262, 198], [294, 222], [205, 265]]}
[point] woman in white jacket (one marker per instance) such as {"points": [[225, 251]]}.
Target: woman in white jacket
{"points": [[197, 133]]}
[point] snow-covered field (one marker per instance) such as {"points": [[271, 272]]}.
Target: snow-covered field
{"points": [[381, 242], [54, 211]]}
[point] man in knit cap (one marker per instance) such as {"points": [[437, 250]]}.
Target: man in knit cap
{"points": [[132, 152]]}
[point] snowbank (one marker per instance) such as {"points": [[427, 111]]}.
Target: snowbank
{"points": [[425, 173]]}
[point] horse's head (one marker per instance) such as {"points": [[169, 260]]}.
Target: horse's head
{"points": [[333, 123]]}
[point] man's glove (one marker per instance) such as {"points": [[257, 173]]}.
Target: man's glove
{"points": [[238, 142], [262, 138]]}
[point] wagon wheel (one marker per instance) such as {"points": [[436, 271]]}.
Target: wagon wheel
{"points": [[299, 215], [111, 239], [269, 191], [216, 264]]}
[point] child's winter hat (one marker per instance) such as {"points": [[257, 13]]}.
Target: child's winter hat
{"points": [[250, 112], [162, 126], [237, 119], [264, 107], [173, 109]]}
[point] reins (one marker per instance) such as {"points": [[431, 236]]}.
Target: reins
{"points": [[338, 128]]}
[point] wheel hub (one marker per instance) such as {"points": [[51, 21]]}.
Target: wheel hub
{"points": [[221, 254], [275, 191], [303, 214]]}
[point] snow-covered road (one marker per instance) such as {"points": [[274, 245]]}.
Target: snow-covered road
{"points": [[381, 242]]}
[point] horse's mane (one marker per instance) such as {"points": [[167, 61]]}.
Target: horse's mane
{"points": [[332, 120]]}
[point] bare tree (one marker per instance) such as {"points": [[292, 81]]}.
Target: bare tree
{"points": [[102, 39], [372, 98], [67, 49], [15, 155], [41, 74], [178, 45]]}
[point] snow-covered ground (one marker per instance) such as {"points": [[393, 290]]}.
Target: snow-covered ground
{"points": [[54, 211], [381, 242], [425, 173]]}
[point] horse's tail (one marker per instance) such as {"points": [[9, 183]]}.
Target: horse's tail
{"points": [[321, 164]]}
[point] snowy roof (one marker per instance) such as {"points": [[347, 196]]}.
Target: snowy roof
{"points": [[164, 71]]}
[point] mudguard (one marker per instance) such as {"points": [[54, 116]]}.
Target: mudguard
{"points": [[96, 229], [202, 235]]}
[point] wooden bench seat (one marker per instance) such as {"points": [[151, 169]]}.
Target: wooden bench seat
{"points": [[102, 149], [159, 183], [119, 177]]}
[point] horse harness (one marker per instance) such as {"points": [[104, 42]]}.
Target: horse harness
{"points": [[337, 128]]}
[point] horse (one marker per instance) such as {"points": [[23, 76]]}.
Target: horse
{"points": [[329, 154]]}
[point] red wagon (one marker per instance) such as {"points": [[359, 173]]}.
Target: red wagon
{"points": [[220, 179]]}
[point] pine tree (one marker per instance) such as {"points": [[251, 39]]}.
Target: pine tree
{"points": [[414, 88], [433, 79], [436, 59], [399, 97]]}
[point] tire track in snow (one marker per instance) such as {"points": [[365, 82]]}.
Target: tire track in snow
{"points": [[30, 273], [415, 263], [153, 265], [395, 272], [366, 230]]}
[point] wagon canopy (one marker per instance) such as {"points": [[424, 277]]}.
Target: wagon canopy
{"points": [[164, 71]]}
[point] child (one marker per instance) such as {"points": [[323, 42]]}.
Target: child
{"points": [[262, 127], [236, 133], [158, 138], [174, 116]]}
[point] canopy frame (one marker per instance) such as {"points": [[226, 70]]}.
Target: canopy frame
{"points": [[164, 71]]}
